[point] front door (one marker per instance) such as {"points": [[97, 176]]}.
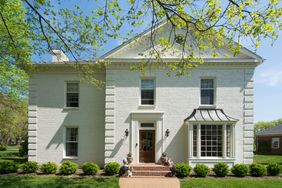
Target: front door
{"points": [[147, 146]]}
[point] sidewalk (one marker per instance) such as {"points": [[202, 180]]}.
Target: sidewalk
{"points": [[149, 182]]}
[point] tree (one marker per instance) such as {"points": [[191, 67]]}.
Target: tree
{"points": [[263, 125], [80, 28]]}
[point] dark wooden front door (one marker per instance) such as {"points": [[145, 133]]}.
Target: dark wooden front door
{"points": [[147, 146]]}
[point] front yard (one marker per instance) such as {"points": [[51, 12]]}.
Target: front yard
{"points": [[266, 159], [12, 154]]}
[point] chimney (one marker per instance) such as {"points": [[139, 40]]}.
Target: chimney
{"points": [[59, 56]]}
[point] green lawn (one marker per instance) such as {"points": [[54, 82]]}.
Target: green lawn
{"points": [[11, 154], [231, 183], [266, 159], [12, 181]]}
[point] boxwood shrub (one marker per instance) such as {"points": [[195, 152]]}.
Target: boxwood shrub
{"points": [[29, 167], [111, 168], [273, 169], [3, 147], [201, 170], [49, 168], [90, 168], [182, 170], [221, 169], [257, 170], [68, 168], [8, 167], [240, 170]]}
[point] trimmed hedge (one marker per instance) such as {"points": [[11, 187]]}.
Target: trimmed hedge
{"points": [[111, 168], [257, 170], [3, 147], [221, 169], [29, 167], [201, 170], [49, 168], [273, 169], [8, 167], [182, 170], [68, 168], [90, 168], [240, 170]]}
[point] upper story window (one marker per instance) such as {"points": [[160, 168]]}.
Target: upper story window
{"points": [[207, 91], [72, 94], [147, 92]]}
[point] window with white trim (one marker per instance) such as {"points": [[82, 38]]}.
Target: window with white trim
{"points": [[275, 143], [71, 142], [72, 94], [212, 140], [147, 92], [207, 91]]}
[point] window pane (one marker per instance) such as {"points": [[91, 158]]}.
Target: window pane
{"points": [[211, 140], [71, 134], [207, 84], [228, 140], [207, 96], [147, 84], [72, 87], [72, 100], [71, 149], [195, 136], [147, 125]]}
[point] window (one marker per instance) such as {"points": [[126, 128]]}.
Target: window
{"points": [[207, 91], [275, 143], [72, 94], [71, 142], [147, 125], [211, 140], [147, 92]]}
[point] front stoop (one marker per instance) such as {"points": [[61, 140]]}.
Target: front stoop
{"points": [[141, 170]]}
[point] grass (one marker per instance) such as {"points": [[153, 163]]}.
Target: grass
{"points": [[11, 181], [231, 182], [12, 154], [266, 159]]}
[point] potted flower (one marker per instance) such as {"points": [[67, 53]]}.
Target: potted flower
{"points": [[129, 158], [164, 158]]}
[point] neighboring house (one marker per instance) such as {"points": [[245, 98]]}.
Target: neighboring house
{"points": [[206, 118], [269, 141]]}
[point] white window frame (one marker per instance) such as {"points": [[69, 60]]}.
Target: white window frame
{"points": [[140, 92], [273, 140], [214, 92], [65, 95], [224, 140], [65, 143]]}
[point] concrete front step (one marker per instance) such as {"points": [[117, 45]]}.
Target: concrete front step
{"points": [[150, 170], [150, 173]]}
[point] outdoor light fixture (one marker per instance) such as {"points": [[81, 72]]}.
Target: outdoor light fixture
{"points": [[126, 132], [167, 133]]}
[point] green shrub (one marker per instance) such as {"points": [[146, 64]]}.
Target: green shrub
{"points": [[68, 168], [3, 147], [90, 168], [183, 170], [273, 169], [29, 167], [221, 169], [111, 168], [201, 170], [257, 170], [23, 150], [8, 167], [240, 170], [48, 168]]}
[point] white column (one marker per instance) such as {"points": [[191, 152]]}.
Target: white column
{"points": [[224, 141], [190, 140], [199, 141]]}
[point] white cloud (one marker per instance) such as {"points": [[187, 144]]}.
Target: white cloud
{"points": [[271, 77]]}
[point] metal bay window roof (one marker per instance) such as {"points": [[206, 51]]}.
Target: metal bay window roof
{"points": [[210, 115]]}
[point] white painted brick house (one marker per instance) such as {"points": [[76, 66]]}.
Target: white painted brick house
{"points": [[206, 118]]}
